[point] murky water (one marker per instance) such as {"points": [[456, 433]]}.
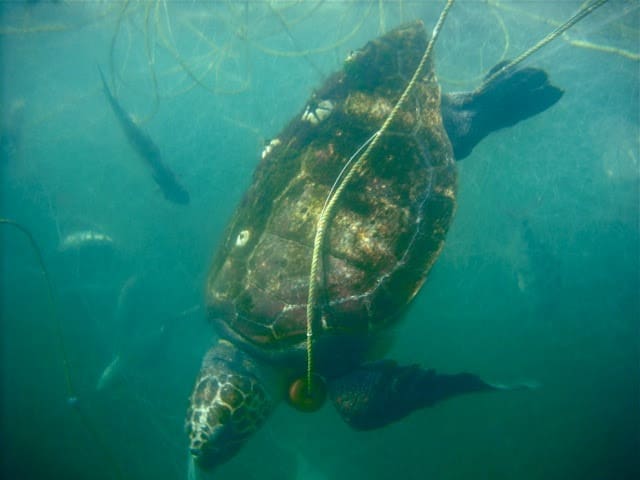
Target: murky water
{"points": [[539, 279]]}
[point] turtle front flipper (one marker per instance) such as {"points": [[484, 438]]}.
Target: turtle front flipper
{"points": [[228, 404], [502, 101], [383, 392]]}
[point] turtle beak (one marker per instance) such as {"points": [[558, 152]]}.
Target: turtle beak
{"points": [[212, 440], [200, 440], [209, 451]]}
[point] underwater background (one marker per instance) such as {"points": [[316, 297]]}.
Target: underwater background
{"points": [[539, 279]]}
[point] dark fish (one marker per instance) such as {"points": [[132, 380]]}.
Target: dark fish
{"points": [[148, 150]]}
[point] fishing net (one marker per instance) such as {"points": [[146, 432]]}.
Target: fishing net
{"points": [[212, 82]]}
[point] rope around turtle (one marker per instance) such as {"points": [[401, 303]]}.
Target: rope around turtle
{"points": [[350, 168], [354, 168]]}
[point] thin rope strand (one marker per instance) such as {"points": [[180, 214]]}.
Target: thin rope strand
{"points": [[333, 199], [579, 15], [72, 398]]}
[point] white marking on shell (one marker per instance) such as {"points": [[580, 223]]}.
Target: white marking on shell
{"points": [[353, 54], [243, 238], [268, 148], [325, 107], [309, 116], [322, 111]]}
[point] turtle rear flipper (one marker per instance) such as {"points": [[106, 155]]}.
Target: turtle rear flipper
{"points": [[383, 392], [505, 100]]}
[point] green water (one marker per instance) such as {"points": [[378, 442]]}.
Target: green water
{"points": [[539, 279]]}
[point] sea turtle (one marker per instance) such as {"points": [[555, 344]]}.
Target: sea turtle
{"points": [[385, 234]]}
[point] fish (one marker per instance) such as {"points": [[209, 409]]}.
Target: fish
{"points": [[109, 374], [141, 338], [86, 239], [147, 150]]}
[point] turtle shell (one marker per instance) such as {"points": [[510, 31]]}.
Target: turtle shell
{"points": [[388, 227]]}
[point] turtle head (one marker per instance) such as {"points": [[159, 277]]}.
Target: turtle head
{"points": [[228, 404]]}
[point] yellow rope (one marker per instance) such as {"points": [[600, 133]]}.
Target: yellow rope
{"points": [[333, 198], [312, 51], [579, 15], [336, 192], [603, 48]]}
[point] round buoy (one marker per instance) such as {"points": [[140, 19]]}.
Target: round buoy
{"points": [[307, 399]]}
